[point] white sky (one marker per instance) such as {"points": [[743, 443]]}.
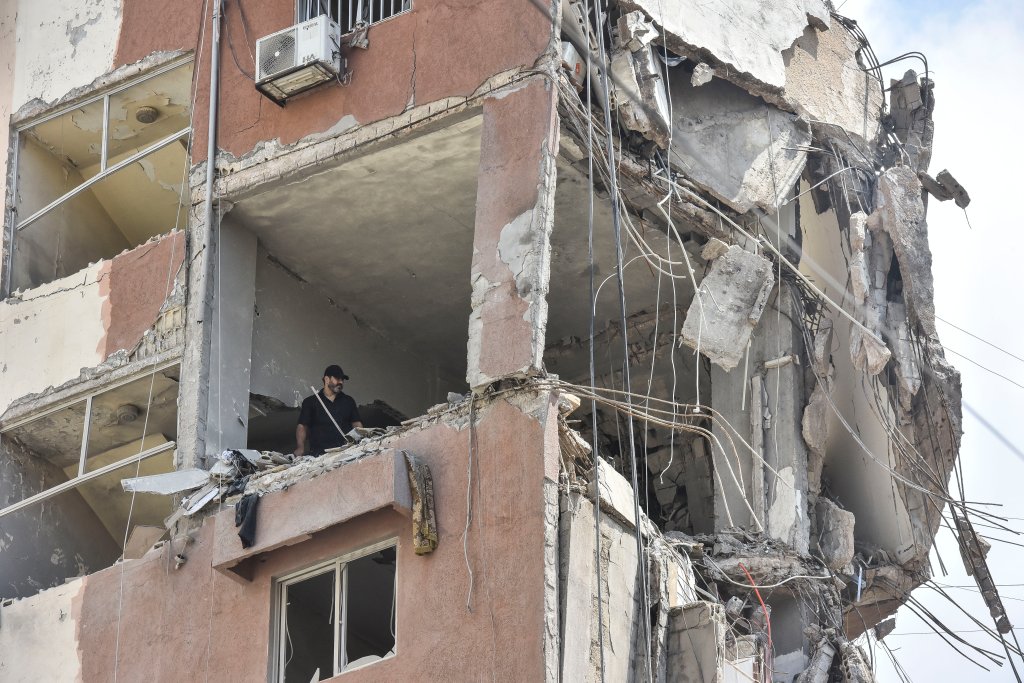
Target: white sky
{"points": [[975, 51]]}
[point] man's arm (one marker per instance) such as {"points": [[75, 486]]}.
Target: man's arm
{"points": [[300, 440]]}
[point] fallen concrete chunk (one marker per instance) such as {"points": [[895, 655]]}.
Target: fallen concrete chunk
{"points": [[884, 628], [821, 662], [744, 151], [616, 494], [901, 214], [821, 361], [945, 187], [907, 371], [639, 94], [636, 31], [867, 353], [702, 73], [859, 282], [911, 103], [168, 483], [858, 230], [835, 537], [713, 249], [816, 420], [727, 306]]}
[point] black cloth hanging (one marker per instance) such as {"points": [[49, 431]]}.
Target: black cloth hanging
{"points": [[245, 519]]}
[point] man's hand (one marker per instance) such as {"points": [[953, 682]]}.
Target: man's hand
{"points": [[300, 440]]}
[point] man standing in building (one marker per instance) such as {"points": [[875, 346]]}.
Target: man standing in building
{"points": [[326, 416]]}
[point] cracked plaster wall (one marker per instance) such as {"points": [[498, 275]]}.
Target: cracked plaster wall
{"points": [[411, 60], [41, 630], [79, 321], [511, 243], [51, 36]]}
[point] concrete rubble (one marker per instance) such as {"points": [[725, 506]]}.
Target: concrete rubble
{"points": [[728, 306], [745, 152], [773, 206]]}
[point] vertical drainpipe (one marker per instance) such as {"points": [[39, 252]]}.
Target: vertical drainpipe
{"points": [[204, 313]]}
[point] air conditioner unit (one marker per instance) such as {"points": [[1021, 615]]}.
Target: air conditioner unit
{"points": [[298, 58]]}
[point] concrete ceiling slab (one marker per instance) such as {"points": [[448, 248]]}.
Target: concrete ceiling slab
{"points": [[388, 236]]}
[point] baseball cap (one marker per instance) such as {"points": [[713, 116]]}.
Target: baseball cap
{"points": [[335, 371]]}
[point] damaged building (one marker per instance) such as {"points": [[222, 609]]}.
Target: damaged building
{"points": [[636, 301]]}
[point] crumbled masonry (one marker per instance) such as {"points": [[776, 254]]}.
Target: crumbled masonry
{"points": [[661, 402]]}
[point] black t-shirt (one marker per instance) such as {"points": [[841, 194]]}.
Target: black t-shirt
{"points": [[322, 432]]}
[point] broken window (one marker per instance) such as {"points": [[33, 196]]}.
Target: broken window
{"points": [[336, 616], [100, 176], [349, 13], [71, 444], [63, 509]]}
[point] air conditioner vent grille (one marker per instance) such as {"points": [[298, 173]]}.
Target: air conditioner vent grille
{"points": [[277, 53]]}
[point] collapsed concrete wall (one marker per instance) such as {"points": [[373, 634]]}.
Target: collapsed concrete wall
{"points": [[82, 320]]}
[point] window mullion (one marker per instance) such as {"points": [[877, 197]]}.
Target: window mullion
{"points": [[85, 436], [282, 648], [106, 133], [174, 137], [341, 592]]}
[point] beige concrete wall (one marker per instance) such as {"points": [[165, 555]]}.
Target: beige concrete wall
{"points": [[38, 637], [50, 333], [62, 45]]}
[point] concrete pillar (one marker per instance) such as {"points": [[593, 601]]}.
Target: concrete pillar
{"points": [[511, 247], [231, 349], [779, 502], [212, 402], [193, 396]]}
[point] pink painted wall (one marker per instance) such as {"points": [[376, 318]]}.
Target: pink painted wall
{"points": [[442, 48], [198, 623], [134, 286]]}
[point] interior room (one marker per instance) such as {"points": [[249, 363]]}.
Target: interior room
{"points": [[101, 177], [367, 265]]}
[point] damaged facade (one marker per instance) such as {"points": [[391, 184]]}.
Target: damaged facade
{"points": [[680, 417]]}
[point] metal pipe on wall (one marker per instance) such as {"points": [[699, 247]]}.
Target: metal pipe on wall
{"points": [[203, 312]]}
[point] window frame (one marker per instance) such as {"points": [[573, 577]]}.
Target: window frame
{"points": [[84, 476], [16, 223], [338, 565]]}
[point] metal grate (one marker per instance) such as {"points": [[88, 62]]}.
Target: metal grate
{"points": [[349, 13]]}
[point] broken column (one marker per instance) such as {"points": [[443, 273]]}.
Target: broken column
{"points": [[761, 491], [511, 247]]}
